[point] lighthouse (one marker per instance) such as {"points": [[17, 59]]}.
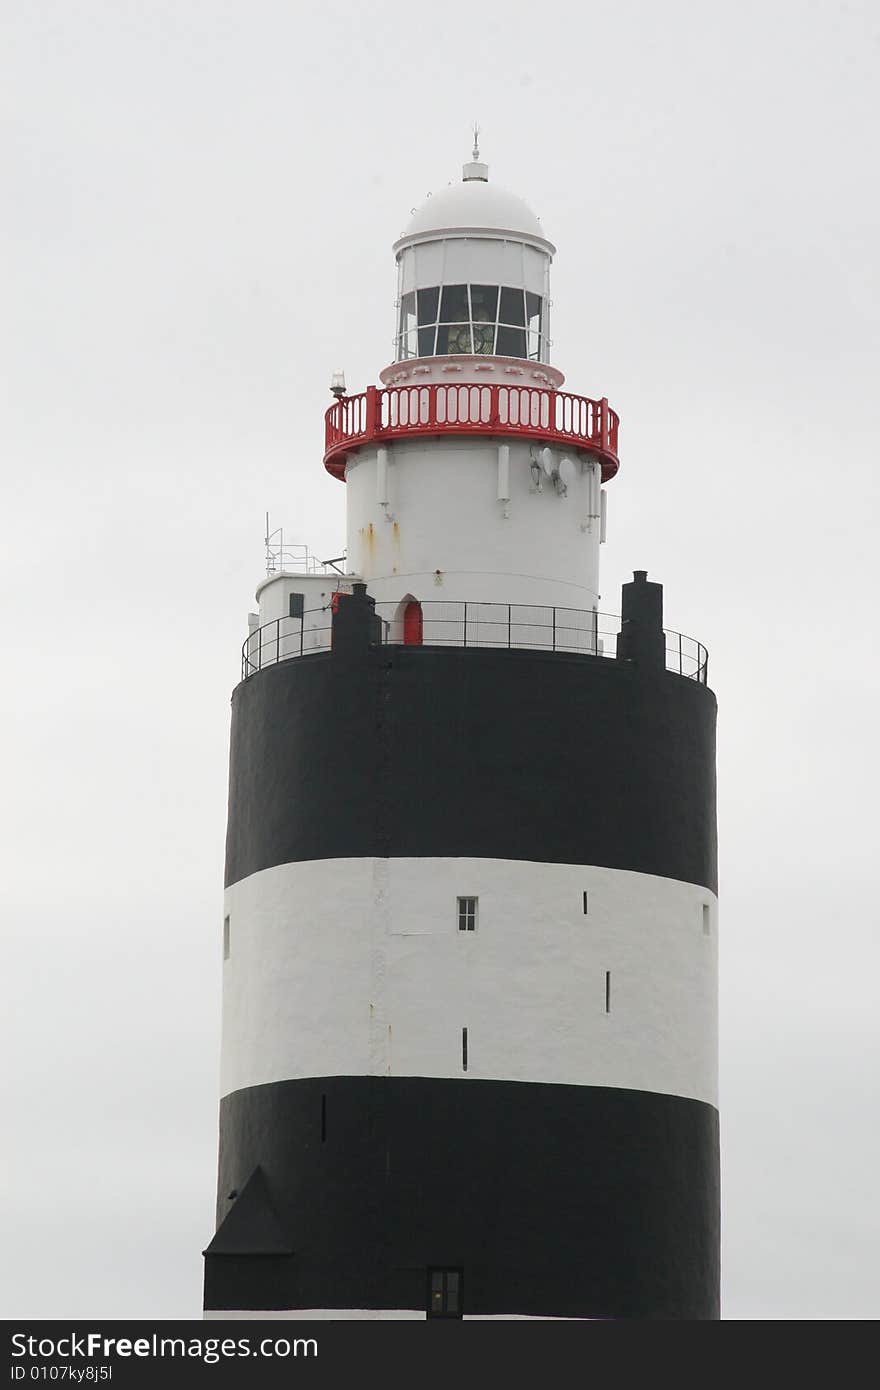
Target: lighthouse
{"points": [[470, 927]]}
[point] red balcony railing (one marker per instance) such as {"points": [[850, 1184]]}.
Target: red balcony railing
{"points": [[531, 412]]}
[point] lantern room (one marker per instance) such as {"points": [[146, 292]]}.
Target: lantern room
{"points": [[473, 275]]}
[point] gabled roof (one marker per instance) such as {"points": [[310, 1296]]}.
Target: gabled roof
{"points": [[251, 1226]]}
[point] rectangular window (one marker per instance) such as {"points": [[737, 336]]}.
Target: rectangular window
{"points": [[608, 991], [467, 914], [464, 1049], [407, 313], [297, 605], [226, 938], [454, 304], [706, 922], [453, 338], [511, 342], [585, 902], [512, 308], [484, 338], [533, 314], [445, 1293], [533, 311], [407, 340], [428, 302], [484, 303]]}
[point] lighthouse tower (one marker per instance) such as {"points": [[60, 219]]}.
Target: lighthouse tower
{"points": [[469, 1042]]}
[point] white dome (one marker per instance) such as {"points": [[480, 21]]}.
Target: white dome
{"points": [[474, 205]]}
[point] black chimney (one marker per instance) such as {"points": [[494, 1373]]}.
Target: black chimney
{"points": [[641, 631]]}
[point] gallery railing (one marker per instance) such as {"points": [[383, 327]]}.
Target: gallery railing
{"points": [[463, 623]]}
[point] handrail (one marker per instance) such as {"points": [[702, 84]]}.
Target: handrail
{"points": [[440, 408], [460, 623]]}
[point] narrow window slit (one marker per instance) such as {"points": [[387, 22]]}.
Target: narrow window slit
{"points": [[226, 938], [585, 902], [464, 1049], [706, 922], [608, 991]]}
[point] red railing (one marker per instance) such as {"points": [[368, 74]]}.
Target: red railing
{"points": [[533, 412]]}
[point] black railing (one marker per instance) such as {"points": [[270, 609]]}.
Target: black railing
{"points": [[284, 638], [515, 626]]}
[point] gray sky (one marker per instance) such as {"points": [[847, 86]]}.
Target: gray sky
{"points": [[200, 200]]}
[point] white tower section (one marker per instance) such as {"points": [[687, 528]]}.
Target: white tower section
{"points": [[483, 516]]}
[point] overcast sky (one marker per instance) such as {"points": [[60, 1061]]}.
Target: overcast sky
{"points": [[199, 201]]}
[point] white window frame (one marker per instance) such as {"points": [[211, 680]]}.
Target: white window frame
{"points": [[464, 914]]}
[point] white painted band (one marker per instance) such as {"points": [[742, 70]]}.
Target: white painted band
{"points": [[356, 967]]}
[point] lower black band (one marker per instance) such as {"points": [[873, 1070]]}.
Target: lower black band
{"points": [[555, 1201]]}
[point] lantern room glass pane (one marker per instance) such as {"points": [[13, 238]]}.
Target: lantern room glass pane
{"points": [[407, 312], [533, 312], [512, 307], [484, 303], [406, 344], [454, 304], [428, 301], [454, 337], [426, 341], [484, 338], [511, 342]]}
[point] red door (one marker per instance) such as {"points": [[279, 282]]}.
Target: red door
{"points": [[412, 624]]}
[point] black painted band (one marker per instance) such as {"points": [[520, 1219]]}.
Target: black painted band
{"points": [[400, 751], [555, 1201]]}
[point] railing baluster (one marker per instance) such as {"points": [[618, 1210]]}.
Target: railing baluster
{"points": [[370, 412], [464, 642]]}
